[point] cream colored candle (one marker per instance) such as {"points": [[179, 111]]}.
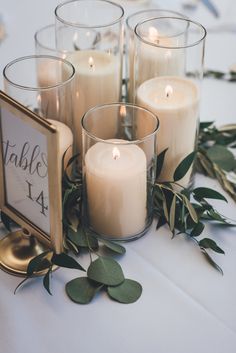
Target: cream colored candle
{"points": [[97, 82], [65, 140], [175, 101], [154, 61], [116, 185]]}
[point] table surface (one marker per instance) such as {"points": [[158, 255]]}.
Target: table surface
{"points": [[186, 305]]}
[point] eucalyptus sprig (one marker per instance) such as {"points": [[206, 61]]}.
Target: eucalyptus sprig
{"points": [[215, 156], [186, 211], [219, 75]]}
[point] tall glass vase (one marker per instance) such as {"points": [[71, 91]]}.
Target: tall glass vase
{"points": [[91, 32], [168, 61]]}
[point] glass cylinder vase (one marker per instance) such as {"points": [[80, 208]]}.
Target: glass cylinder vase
{"points": [[131, 23], [167, 77], [45, 42], [44, 84], [91, 32], [119, 164]]}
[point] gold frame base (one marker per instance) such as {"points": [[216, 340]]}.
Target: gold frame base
{"points": [[16, 251]]}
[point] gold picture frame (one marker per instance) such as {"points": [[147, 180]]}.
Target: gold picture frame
{"points": [[14, 165]]}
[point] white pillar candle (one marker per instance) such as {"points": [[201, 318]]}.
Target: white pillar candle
{"points": [[154, 61], [175, 101], [116, 184], [97, 82], [65, 141]]}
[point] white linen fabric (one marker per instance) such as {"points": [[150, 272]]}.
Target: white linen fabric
{"points": [[186, 306]]}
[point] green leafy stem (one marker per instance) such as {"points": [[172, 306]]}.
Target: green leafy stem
{"points": [[183, 211]]}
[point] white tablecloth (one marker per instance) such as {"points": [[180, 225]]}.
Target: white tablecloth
{"points": [[186, 305]]}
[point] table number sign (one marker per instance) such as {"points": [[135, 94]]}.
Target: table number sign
{"points": [[30, 172]]}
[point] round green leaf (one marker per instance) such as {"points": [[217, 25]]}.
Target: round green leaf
{"points": [[127, 292], [222, 157], [106, 270], [81, 290]]}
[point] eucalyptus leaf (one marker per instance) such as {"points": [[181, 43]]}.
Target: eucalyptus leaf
{"points": [[222, 157], [213, 215], [46, 280], [172, 214], [159, 162], [184, 166], [117, 248], [165, 209], [191, 209], [207, 243], [82, 290], [38, 262], [6, 221], [206, 124], [197, 230], [71, 246], [127, 292], [211, 261], [64, 260], [161, 222], [106, 270], [82, 238], [207, 193]]}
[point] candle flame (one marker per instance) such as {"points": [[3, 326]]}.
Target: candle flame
{"points": [[123, 111], [168, 91], [115, 153], [91, 62], [153, 34]]}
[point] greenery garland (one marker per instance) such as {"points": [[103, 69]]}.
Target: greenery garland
{"points": [[184, 212]]}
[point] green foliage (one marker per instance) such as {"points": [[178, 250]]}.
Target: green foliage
{"points": [[106, 270], [127, 292], [215, 158], [82, 290], [184, 166], [183, 211]]}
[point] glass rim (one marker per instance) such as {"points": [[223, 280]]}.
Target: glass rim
{"points": [[150, 10], [38, 32], [43, 88], [125, 142], [199, 25], [77, 25]]}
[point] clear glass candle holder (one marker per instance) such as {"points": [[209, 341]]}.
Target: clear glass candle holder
{"points": [[45, 42], [119, 165], [167, 77], [44, 84], [91, 32], [131, 23]]}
